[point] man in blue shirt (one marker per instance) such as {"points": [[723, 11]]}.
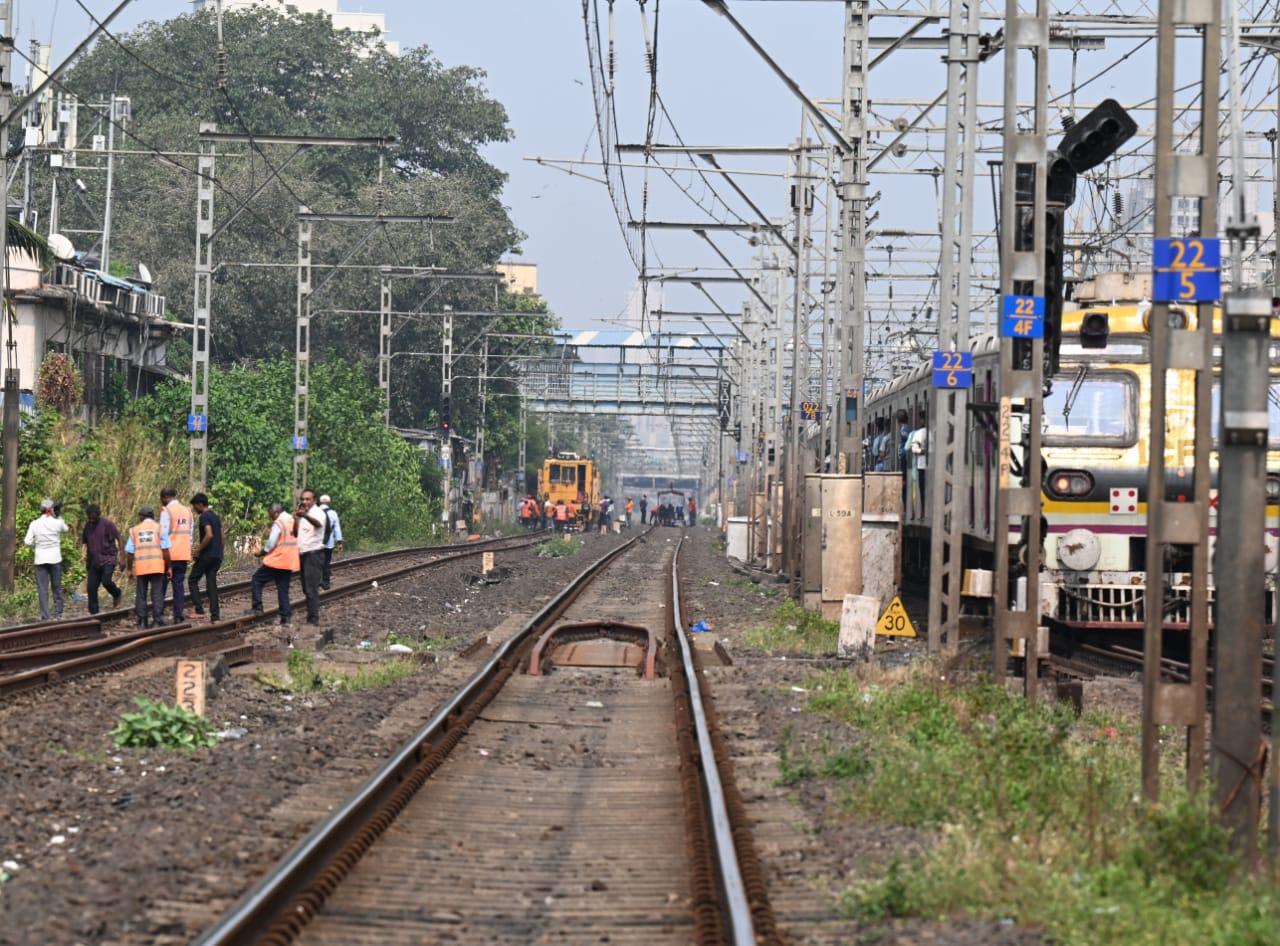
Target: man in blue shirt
{"points": [[332, 537]]}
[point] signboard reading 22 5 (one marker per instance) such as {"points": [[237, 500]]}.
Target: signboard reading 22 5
{"points": [[1186, 269]]}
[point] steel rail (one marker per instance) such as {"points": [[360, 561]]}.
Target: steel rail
{"points": [[20, 632], [277, 907], [741, 923], [110, 653], [287, 895]]}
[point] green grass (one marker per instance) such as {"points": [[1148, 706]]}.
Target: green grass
{"points": [[746, 584], [303, 676], [794, 630], [559, 547], [429, 644], [1037, 816]]}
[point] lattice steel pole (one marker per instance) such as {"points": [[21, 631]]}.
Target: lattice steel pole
{"points": [[302, 358], [947, 469], [202, 310], [384, 347], [1022, 274], [850, 338], [1182, 524]]}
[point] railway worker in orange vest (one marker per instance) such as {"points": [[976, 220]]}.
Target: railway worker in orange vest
{"points": [[176, 525], [146, 558], [548, 512], [279, 562], [631, 507], [562, 515]]}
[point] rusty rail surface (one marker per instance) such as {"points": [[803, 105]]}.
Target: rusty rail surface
{"points": [[41, 667], [729, 902]]}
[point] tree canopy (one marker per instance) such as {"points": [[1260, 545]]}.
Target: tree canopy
{"points": [[294, 74]]}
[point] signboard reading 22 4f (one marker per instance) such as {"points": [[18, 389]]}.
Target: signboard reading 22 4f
{"points": [[1187, 269]]}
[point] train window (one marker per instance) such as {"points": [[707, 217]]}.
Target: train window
{"points": [[555, 473], [1273, 411], [1099, 411], [1128, 350]]}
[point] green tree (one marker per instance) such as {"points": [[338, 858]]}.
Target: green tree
{"points": [[376, 478]]}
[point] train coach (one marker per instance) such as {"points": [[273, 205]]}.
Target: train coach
{"points": [[1095, 447]]}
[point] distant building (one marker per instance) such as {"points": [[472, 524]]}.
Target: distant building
{"points": [[522, 278], [113, 329], [372, 24]]}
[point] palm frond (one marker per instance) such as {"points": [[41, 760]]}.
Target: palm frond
{"points": [[22, 237]]}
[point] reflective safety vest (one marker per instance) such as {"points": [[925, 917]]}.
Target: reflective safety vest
{"points": [[562, 512], [630, 507], [179, 531], [285, 554], [148, 556]]}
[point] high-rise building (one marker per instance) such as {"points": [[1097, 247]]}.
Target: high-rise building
{"points": [[374, 25]]}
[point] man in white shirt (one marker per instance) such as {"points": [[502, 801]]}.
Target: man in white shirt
{"points": [[333, 539], [44, 535], [308, 526]]}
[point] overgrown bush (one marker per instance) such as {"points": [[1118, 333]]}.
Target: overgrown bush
{"points": [[1036, 815], [792, 629]]}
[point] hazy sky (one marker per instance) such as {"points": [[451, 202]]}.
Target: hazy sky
{"points": [[716, 89], [534, 52]]}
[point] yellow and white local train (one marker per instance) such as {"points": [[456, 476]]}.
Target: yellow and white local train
{"points": [[1096, 451]]}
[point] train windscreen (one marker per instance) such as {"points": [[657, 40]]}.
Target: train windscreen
{"points": [[1097, 408]]}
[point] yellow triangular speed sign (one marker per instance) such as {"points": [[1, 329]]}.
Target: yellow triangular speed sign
{"points": [[894, 622]]}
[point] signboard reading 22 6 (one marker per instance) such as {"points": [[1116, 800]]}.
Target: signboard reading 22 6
{"points": [[952, 369]]}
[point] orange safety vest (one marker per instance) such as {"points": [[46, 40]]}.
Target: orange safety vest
{"points": [[284, 555], [148, 556], [629, 507], [179, 531], [562, 512]]}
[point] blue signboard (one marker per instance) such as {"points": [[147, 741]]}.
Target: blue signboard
{"points": [[299, 443], [197, 423], [1022, 317], [1186, 269], [952, 369]]}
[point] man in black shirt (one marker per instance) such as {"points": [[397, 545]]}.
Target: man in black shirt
{"points": [[206, 555]]}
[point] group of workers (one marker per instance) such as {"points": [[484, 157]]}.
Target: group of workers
{"points": [[564, 515], [183, 547]]}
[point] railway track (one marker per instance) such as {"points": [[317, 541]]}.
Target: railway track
{"points": [[588, 802], [50, 654], [1179, 670]]}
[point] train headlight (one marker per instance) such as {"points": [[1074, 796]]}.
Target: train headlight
{"points": [[1069, 484], [1273, 488]]}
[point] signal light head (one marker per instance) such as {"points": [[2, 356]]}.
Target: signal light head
{"points": [[1069, 484], [1095, 329]]}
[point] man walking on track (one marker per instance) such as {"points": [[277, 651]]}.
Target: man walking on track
{"points": [[146, 558], [279, 562], [207, 555], [44, 535], [309, 527], [176, 528], [101, 540], [644, 508], [332, 538]]}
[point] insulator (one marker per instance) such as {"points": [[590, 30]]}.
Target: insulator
{"points": [[1117, 203], [1068, 120]]}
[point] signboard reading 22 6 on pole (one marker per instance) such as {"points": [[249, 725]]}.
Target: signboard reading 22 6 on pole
{"points": [[1186, 269], [952, 369]]}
